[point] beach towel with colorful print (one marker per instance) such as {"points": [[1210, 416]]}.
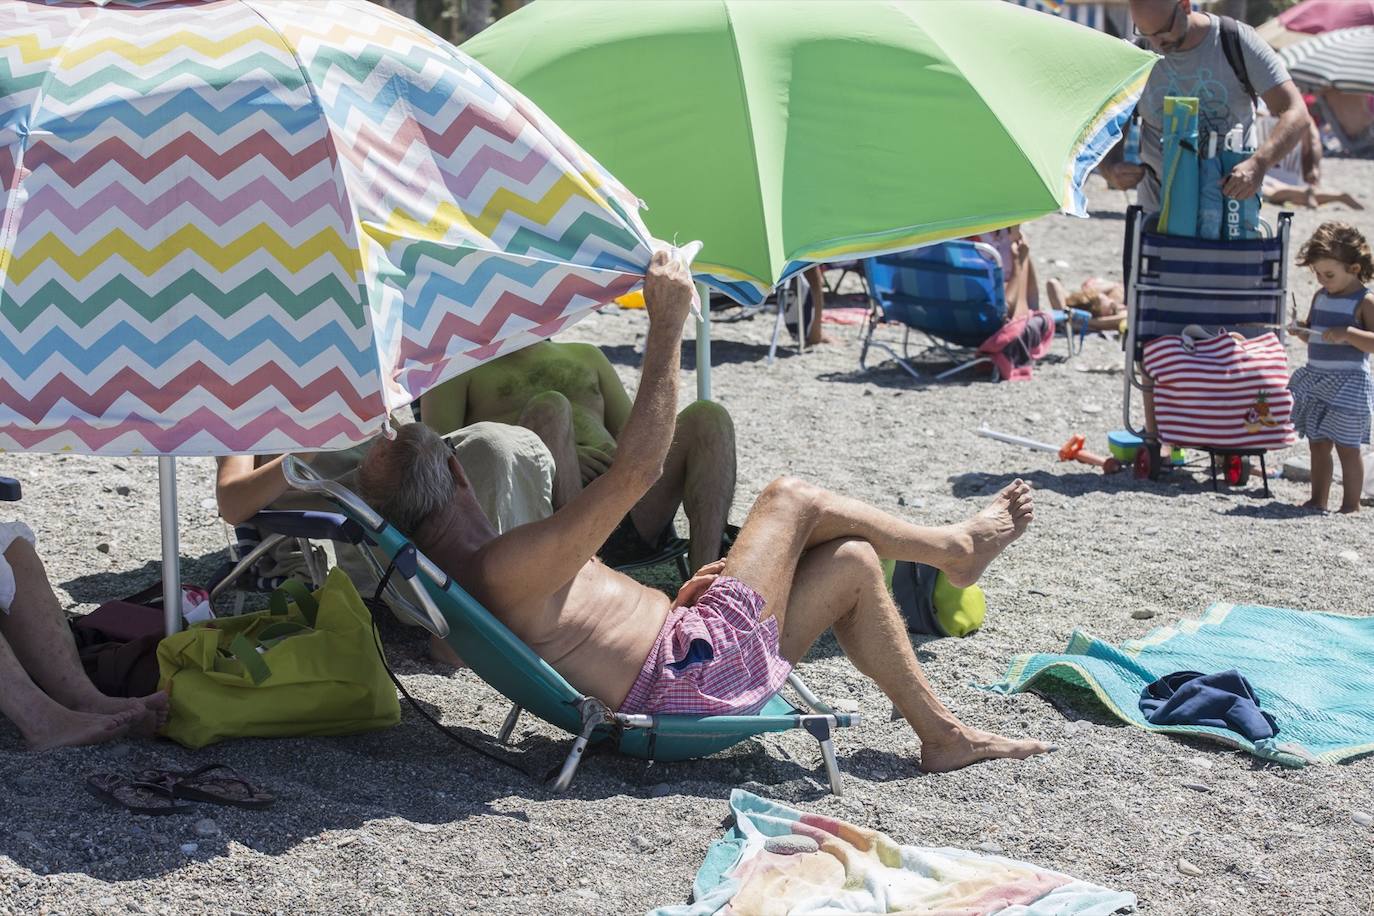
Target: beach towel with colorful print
{"points": [[778, 860]]}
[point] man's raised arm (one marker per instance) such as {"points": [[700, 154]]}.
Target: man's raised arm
{"points": [[643, 444], [566, 540]]}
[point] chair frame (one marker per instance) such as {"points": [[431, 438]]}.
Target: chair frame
{"points": [[595, 716], [1133, 379], [963, 357]]}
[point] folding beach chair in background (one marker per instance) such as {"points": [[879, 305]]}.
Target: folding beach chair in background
{"points": [[953, 293], [1173, 282], [505, 663]]}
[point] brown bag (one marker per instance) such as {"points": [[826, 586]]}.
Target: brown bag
{"points": [[117, 643]]}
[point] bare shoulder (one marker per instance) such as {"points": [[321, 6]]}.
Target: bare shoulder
{"points": [[585, 353]]}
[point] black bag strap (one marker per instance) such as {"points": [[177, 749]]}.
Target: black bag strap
{"points": [[1235, 55], [377, 606]]}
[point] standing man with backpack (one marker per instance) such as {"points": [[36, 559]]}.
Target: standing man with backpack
{"points": [[1227, 67]]}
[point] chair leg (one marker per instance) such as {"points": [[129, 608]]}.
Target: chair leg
{"points": [[245, 564], [819, 727], [594, 714], [962, 366], [508, 726], [777, 330]]}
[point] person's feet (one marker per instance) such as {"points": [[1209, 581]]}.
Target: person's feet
{"points": [[970, 746], [150, 712], [1314, 505], [69, 728], [980, 539], [1349, 509]]}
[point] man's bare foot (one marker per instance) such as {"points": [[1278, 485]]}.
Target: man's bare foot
{"points": [[151, 711], [1349, 510], [971, 746], [70, 728], [441, 652], [981, 538], [1313, 504]]}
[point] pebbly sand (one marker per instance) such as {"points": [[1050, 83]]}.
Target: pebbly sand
{"points": [[405, 822]]}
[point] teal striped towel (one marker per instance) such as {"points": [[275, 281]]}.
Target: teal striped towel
{"points": [[1313, 671]]}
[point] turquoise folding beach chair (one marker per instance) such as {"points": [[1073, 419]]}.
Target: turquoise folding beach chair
{"points": [[504, 662]]}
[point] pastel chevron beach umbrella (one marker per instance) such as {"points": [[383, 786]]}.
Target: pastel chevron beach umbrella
{"points": [[783, 134], [253, 226]]}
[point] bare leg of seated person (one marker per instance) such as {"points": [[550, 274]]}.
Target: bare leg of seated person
{"points": [[1287, 195], [46, 692], [549, 416], [814, 558], [699, 475]]}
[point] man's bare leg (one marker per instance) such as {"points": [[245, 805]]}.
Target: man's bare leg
{"points": [[41, 641], [840, 583], [549, 416], [791, 516], [699, 474]]}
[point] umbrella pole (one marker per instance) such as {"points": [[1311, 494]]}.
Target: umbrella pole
{"points": [[171, 568], [704, 344]]}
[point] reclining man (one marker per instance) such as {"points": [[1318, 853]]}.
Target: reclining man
{"points": [[806, 560], [571, 397]]}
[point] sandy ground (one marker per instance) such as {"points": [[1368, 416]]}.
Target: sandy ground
{"points": [[405, 822]]}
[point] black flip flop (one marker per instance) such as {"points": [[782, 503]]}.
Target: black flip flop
{"points": [[215, 783], [134, 795]]}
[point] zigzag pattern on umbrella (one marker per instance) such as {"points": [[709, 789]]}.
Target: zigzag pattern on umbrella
{"points": [[247, 227], [203, 432]]}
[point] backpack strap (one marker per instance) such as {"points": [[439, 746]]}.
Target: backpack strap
{"points": [[1235, 55]]}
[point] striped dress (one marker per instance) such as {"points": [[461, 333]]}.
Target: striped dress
{"points": [[1333, 395]]}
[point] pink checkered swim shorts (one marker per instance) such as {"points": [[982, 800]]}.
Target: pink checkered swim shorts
{"points": [[713, 658]]}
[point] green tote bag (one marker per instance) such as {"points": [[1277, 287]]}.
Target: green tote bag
{"points": [[308, 666]]}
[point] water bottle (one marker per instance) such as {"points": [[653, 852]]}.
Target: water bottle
{"points": [[1131, 150]]}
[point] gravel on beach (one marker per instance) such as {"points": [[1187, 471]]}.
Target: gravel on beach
{"points": [[404, 821]]}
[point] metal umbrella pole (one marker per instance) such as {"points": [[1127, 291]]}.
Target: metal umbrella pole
{"points": [[704, 344], [171, 548]]}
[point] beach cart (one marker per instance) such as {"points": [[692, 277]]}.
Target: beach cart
{"points": [[1224, 395]]}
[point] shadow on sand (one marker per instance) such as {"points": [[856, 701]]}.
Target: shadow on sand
{"points": [[410, 773]]}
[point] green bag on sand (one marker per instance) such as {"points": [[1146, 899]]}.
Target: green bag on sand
{"points": [[930, 604], [309, 666]]}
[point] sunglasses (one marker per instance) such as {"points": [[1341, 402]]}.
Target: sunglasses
{"points": [[1173, 21]]}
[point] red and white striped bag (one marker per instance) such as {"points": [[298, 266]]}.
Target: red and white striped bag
{"points": [[1226, 392]]}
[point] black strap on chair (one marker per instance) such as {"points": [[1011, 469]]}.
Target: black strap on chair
{"points": [[376, 605]]}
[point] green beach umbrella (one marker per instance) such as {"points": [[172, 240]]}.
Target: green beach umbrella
{"points": [[785, 134]]}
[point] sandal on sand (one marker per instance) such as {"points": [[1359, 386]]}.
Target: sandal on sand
{"points": [[137, 796], [215, 783]]}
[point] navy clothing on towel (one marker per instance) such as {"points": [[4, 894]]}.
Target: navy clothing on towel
{"points": [[1222, 700]]}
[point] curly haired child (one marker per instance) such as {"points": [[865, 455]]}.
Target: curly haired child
{"points": [[1333, 395]]}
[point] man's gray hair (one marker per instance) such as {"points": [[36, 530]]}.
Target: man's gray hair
{"points": [[407, 479]]}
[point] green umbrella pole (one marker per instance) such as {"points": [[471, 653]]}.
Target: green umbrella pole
{"points": [[704, 344]]}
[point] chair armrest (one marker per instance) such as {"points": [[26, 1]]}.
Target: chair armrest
{"points": [[321, 526], [9, 490]]}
